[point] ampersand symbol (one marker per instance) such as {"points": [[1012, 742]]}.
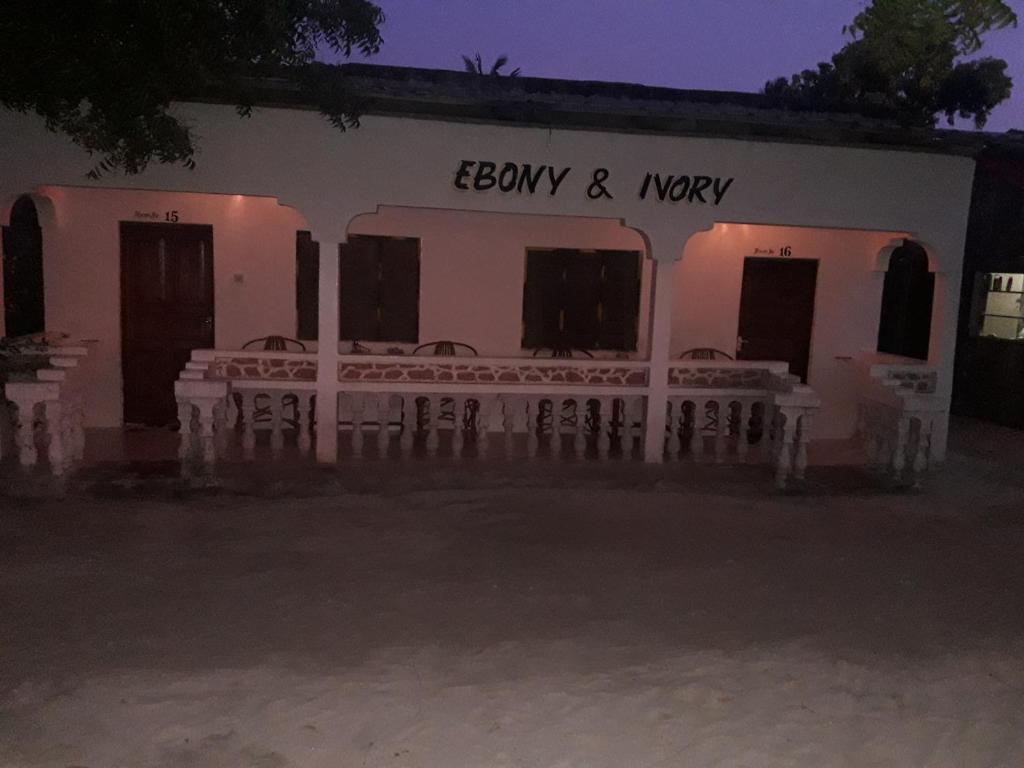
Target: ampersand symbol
{"points": [[597, 189]]}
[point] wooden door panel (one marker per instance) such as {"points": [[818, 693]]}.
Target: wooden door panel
{"points": [[777, 311], [166, 312]]}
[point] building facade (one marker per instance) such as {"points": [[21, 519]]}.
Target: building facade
{"points": [[519, 221]]}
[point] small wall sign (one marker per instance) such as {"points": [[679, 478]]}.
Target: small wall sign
{"points": [[785, 251], [169, 216]]}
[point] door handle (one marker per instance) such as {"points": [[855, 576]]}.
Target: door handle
{"points": [[740, 341]]}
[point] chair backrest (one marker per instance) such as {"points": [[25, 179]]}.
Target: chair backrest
{"points": [[445, 348], [705, 353], [275, 343], [562, 352]]}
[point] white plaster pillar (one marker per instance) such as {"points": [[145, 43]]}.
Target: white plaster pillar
{"points": [[662, 278], [327, 354]]}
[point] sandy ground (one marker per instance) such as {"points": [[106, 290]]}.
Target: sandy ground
{"points": [[521, 615]]}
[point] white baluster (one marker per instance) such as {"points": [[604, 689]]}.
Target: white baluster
{"points": [[722, 426], [458, 424], [186, 441], [604, 426], [25, 432], [67, 430], [803, 437], [482, 425], [786, 426], [52, 426], [635, 426], [509, 412], [899, 456], [579, 437], [410, 424], [743, 428], [206, 429], [357, 425], [384, 423], [248, 423], [697, 436], [220, 426], [276, 418], [920, 465], [78, 429], [231, 412], [433, 416], [532, 426], [674, 440], [304, 419]]}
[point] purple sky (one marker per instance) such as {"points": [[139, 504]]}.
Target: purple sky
{"points": [[714, 44]]}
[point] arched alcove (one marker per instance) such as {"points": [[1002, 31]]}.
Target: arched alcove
{"points": [[904, 326], [24, 309]]}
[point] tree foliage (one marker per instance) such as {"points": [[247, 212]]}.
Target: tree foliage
{"points": [[475, 66], [104, 72], [903, 62]]}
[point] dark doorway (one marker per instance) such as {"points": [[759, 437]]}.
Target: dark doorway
{"points": [[777, 311], [166, 312], [905, 325], [24, 308]]}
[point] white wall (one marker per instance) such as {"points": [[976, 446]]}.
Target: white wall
{"points": [[847, 304], [331, 177], [252, 237]]}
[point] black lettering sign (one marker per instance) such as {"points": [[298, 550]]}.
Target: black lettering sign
{"points": [[484, 178], [463, 173], [529, 179], [684, 188], [484, 175]]}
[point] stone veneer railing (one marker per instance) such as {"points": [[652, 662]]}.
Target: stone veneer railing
{"points": [[578, 406], [897, 412], [45, 411]]}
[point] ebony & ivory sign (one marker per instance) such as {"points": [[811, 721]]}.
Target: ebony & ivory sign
{"points": [[529, 179]]}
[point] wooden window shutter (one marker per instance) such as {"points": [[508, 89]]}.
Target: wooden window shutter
{"points": [[582, 299], [359, 289], [620, 299], [542, 299], [399, 290], [307, 285]]}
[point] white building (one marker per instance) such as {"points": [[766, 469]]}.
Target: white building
{"points": [[524, 220]]}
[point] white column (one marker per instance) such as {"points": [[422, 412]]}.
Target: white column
{"points": [[327, 355], [660, 344]]}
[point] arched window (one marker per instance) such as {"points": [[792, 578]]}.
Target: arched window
{"points": [[24, 312], [906, 322]]}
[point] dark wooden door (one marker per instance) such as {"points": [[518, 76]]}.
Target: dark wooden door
{"points": [[166, 312], [777, 311]]}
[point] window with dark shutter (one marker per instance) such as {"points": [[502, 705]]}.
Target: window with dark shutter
{"points": [[307, 285], [379, 281], [581, 299]]}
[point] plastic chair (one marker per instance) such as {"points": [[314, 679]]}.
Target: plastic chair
{"points": [[705, 353], [275, 343], [561, 352], [445, 348]]}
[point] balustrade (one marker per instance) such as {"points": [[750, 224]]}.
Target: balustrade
{"points": [[897, 411], [740, 411], [45, 411], [499, 407]]}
